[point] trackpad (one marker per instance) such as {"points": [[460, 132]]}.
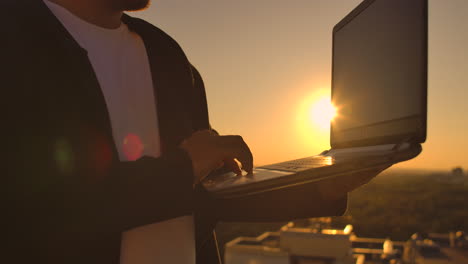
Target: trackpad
{"points": [[230, 179]]}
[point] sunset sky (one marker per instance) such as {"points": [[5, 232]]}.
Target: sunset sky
{"points": [[266, 63]]}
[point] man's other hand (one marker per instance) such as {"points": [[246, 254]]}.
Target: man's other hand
{"points": [[209, 151]]}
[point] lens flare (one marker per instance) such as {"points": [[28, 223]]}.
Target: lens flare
{"points": [[64, 156], [132, 147]]}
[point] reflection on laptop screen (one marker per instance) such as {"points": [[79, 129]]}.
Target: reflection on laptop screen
{"points": [[379, 81]]}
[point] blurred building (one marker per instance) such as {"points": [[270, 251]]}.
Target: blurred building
{"points": [[457, 172], [436, 248], [456, 176], [314, 242]]}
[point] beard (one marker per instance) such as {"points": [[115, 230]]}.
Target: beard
{"points": [[134, 5]]}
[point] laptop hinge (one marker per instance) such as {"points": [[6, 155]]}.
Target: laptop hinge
{"points": [[377, 149], [404, 144]]}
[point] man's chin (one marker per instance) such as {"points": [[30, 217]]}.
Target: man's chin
{"points": [[135, 5]]}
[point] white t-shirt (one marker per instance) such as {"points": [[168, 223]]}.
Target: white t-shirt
{"points": [[121, 65]]}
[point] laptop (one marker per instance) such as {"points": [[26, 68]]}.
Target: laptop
{"points": [[379, 86]]}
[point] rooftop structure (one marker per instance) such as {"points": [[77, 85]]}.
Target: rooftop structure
{"points": [[313, 244], [437, 248]]}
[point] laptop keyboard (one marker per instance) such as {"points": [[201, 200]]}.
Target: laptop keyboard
{"points": [[301, 164]]}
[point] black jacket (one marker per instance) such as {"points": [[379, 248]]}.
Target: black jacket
{"points": [[68, 198]]}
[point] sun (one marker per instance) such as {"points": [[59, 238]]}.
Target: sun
{"points": [[314, 114], [322, 112]]}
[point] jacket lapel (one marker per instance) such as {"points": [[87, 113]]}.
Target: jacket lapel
{"points": [[172, 81], [77, 81]]}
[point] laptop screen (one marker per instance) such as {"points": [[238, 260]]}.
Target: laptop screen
{"points": [[379, 75]]}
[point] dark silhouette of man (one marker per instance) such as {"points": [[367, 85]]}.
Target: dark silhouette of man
{"points": [[107, 137]]}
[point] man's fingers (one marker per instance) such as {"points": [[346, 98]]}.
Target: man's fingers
{"points": [[208, 151], [235, 147], [245, 155], [232, 165]]}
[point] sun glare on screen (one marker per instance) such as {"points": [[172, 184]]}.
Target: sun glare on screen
{"points": [[322, 112]]}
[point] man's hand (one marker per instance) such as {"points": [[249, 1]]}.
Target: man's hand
{"points": [[209, 151], [335, 188]]}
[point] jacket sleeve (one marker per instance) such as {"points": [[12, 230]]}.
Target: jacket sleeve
{"points": [[130, 194], [142, 192], [200, 114]]}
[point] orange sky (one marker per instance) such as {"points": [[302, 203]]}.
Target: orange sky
{"points": [[265, 61]]}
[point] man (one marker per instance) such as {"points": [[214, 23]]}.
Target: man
{"points": [[108, 137]]}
